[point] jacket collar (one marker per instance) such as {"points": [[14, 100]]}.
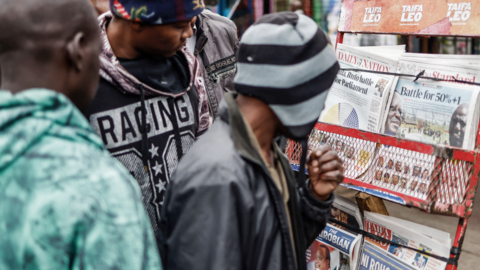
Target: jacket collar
{"points": [[230, 113], [202, 38]]}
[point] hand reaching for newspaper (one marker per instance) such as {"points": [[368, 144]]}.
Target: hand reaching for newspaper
{"points": [[325, 169]]}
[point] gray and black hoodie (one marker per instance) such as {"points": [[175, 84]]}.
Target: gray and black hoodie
{"points": [[148, 112]]}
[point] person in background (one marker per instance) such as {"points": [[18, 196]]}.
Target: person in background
{"points": [[151, 103], [65, 202], [242, 203], [214, 43]]}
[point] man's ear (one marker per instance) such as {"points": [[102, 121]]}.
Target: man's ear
{"points": [[75, 51], [136, 26]]}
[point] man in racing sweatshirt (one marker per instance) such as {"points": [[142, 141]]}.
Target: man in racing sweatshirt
{"points": [[151, 103]]}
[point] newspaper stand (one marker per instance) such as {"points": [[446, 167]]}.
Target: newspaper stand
{"points": [[400, 18]]}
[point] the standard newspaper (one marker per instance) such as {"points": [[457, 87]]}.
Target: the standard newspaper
{"points": [[405, 233], [433, 112], [337, 247], [357, 99]]}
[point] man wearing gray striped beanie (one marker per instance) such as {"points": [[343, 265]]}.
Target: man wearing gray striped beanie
{"points": [[233, 202]]}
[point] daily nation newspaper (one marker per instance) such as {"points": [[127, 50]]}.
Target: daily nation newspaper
{"points": [[407, 234], [357, 99], [433, 112], [337, 247]]}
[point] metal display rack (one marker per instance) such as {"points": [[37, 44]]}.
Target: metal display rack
{"points": [[450, 188]]}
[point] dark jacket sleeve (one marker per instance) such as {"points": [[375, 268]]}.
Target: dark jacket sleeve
{"points": [[315, 213], [204, 220]]}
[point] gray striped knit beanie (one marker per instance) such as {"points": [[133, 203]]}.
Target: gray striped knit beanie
{"points": [[287, 61]]}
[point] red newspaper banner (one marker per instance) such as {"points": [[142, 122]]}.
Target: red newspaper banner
{"points": [[422, 17]]}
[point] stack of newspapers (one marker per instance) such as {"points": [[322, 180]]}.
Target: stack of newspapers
{"points": [[338, 247], [344, 248], [403, 234], [373, 91]]}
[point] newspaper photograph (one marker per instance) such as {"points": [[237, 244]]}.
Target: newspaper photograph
{"points": [[333, 249], [409, 236], [437, 113], [403, 171]]}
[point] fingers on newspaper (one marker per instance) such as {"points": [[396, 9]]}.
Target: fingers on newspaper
{"points": [[340, 248], [426, 110]]}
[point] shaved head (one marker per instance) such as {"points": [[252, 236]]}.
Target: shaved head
{"points": [[27, 24], [50, 44]]}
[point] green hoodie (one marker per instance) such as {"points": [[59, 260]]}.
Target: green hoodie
{"points": [[65, 203]]}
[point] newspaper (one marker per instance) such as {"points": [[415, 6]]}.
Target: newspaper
{"points": [[357, 155], [375, 258], [339, 244], [363, 58], [404, 171], [433, 112], [357, 99], [391, 229], [441, 69]]}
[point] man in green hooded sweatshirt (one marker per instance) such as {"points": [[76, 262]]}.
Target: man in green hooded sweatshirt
{"points": [[65, 203]]}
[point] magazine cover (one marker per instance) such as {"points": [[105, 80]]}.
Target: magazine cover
{"points": [[437, 113]]}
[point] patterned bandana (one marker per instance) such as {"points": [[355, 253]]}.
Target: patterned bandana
{"points": [[157, 11]]}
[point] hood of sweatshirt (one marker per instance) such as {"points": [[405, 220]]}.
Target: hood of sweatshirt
{"points": [[114, 72], [27, 117]]}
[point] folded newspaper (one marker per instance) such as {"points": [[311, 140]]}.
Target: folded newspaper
{"points": [[444, 112], [433, 112], [404, 233], [337, 248], [357, 99]]}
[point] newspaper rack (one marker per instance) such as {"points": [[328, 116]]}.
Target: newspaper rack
{"points": [[366, 17]]}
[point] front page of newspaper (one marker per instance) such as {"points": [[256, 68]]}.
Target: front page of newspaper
{"points": [[407, 236], [357, 99], [345, 249], [375, 258], [333, 249], [433, 112]]}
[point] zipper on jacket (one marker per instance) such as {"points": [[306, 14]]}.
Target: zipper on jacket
{"points": [[173, 119], [143, 129]]}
